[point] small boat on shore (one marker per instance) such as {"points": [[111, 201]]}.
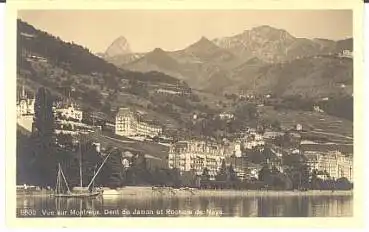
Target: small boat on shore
{"points": [[77, 192]]}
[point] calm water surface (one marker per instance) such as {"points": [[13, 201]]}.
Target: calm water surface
{"points": [[289, 206]]}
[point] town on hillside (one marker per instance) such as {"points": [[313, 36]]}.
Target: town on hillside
{"points": [[216, 151]]}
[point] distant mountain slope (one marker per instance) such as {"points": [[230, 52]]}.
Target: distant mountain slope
{"points": [[311, 77], [120, 60], [238, 60], [197, 64], [346, 44], [262, 59], [158, 58], [276, 45]]}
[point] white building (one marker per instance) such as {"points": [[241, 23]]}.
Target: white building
{"points": [[128, 124], [346, 53], [25, 105], [226, 115], [168, 91], [317, 109], [25, 111], [254, 139], [196, 155], [237, 150], [335, 163], [69, 111], [272, 134]]}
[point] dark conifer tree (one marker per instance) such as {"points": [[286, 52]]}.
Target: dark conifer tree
{"points": [[43, 139]]}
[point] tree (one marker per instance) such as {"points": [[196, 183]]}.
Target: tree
{"points": [[45, 162], [314, 180], [112, 173], [246, 112], [93, 97], [138, 173], [232, 173], [343, 184], [222, 174], [159, 177], [176, 177], [188, 178], [65, 139], [264, 173], [205, 175], [106, 108], [91, 161], [267, 154], [25, 172], [276, 125]]}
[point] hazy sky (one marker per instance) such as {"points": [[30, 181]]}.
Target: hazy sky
{"points": [[173, 30]]}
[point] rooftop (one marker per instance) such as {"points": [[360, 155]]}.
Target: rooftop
{"points": [[123, 111]]}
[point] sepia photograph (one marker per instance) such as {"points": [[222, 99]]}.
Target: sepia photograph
{"points": [[184, 113]]}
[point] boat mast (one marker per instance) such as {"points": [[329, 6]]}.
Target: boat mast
{"points": [[93, 178], [80, 161], [65, 180], [58, 180]]}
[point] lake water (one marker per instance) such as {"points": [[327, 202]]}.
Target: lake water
{"points": [[288, 206]]}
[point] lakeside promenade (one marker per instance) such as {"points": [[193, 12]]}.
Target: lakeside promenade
{"points": [[133, 191]]}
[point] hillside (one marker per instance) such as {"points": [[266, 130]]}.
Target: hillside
{"points": [[198, 64], [69, 69], [311, 77]]}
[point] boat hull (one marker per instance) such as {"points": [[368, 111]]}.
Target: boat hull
{"points": [[76, 195]]}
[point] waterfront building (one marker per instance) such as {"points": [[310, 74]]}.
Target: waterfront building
{"points": [[334, 163], [196, 155], [127, 123]]}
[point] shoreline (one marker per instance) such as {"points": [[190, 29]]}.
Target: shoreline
{"points": [[168, 192]]}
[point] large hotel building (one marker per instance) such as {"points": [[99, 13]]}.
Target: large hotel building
{"points": [[127, 123], [196, 155], [335, 163]]}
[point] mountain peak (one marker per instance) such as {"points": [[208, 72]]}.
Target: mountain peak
{"points": [[158, 50], [203, 38], [120, 46], [203, 43], [157, 53], [267, 30]]}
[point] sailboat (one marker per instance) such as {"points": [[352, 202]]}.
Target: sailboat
{"points": [[78, 192]]}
